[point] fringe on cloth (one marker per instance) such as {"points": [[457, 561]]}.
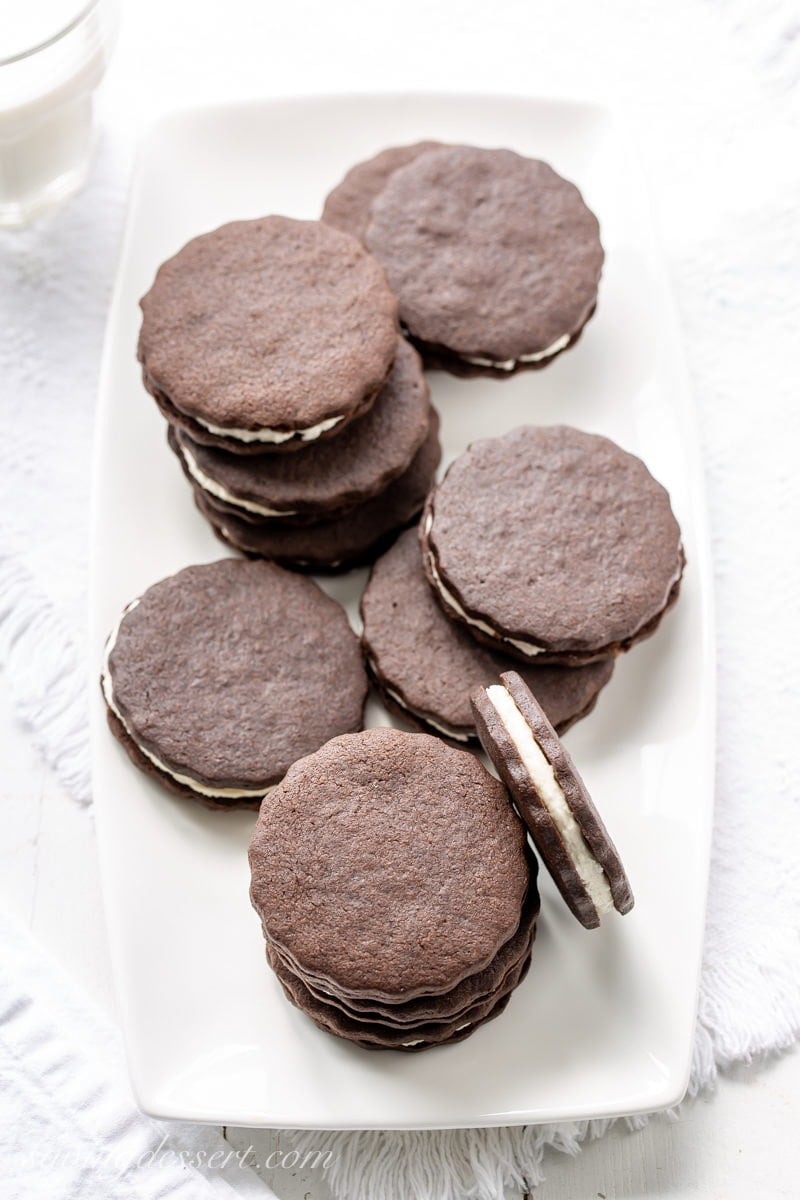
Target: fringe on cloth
{"points": [[470, 1164], [46, 677]]}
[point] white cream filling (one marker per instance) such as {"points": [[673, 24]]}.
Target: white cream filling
{"points": [[450, 731], [419, 1041], [530, 649], [108, 692], [508, 364], [552, 796], [216, 489], [274, 436], [527, 648]]}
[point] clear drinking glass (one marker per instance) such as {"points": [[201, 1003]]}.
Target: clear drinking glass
{"points": [[53, 54]]}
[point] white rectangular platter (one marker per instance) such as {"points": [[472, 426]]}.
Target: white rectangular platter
{"points": [[604, 1022]]}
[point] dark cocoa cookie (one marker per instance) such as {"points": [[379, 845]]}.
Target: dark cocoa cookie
{"points": [[426, 665], [552, 544], [218, 678], [495, 259], [566, 828], [387, 1036], [415, 1043], [390, 865], [449, 1005], [348, 206], [328, 477], [267, 334], [342, 542], [172, 783]]}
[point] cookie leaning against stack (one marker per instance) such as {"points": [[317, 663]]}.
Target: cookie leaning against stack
{"points": [[552, 800], [394, 888]]}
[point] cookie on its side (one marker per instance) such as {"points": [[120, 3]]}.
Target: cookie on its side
{"points": [[217, 678], [494, 258], [553, 545], [342, 542], [329, 477], [552, 800], [349, 205], [426, 665], [267, 335]]}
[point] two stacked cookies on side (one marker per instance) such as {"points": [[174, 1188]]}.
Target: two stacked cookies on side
{"points": [[494, 257], [548, 551], [299, 414]]}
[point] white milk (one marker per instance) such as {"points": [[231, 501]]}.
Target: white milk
{"points": [[52, 57]]}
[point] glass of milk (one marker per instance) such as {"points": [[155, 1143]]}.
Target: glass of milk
{"points": [[52, 56]]}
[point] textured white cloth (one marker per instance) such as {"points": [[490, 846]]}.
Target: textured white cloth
{"points": [[68, 1126], [713, 95]]}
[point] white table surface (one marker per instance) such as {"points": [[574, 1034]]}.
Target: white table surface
{"points": [[740, 1143]]}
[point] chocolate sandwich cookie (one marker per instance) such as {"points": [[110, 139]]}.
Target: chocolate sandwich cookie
{"points": [[343, 541], [348, 206], [431, 690], [552, 544], [494, 258], [389, 866], [328, 477], [452, 1005], [376, 1035], [550, 795], [268, 334], [216, 679]]}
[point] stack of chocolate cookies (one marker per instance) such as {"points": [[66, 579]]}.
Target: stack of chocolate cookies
{"points": [[395, 889], [299, 414]]}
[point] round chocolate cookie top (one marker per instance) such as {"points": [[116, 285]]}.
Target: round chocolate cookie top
{"points": [[348, 206], [227, 672], [492, 256], [389, 863], [266, 329], [339, 542], [401, 616], [552, 541], [327, 476]]}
